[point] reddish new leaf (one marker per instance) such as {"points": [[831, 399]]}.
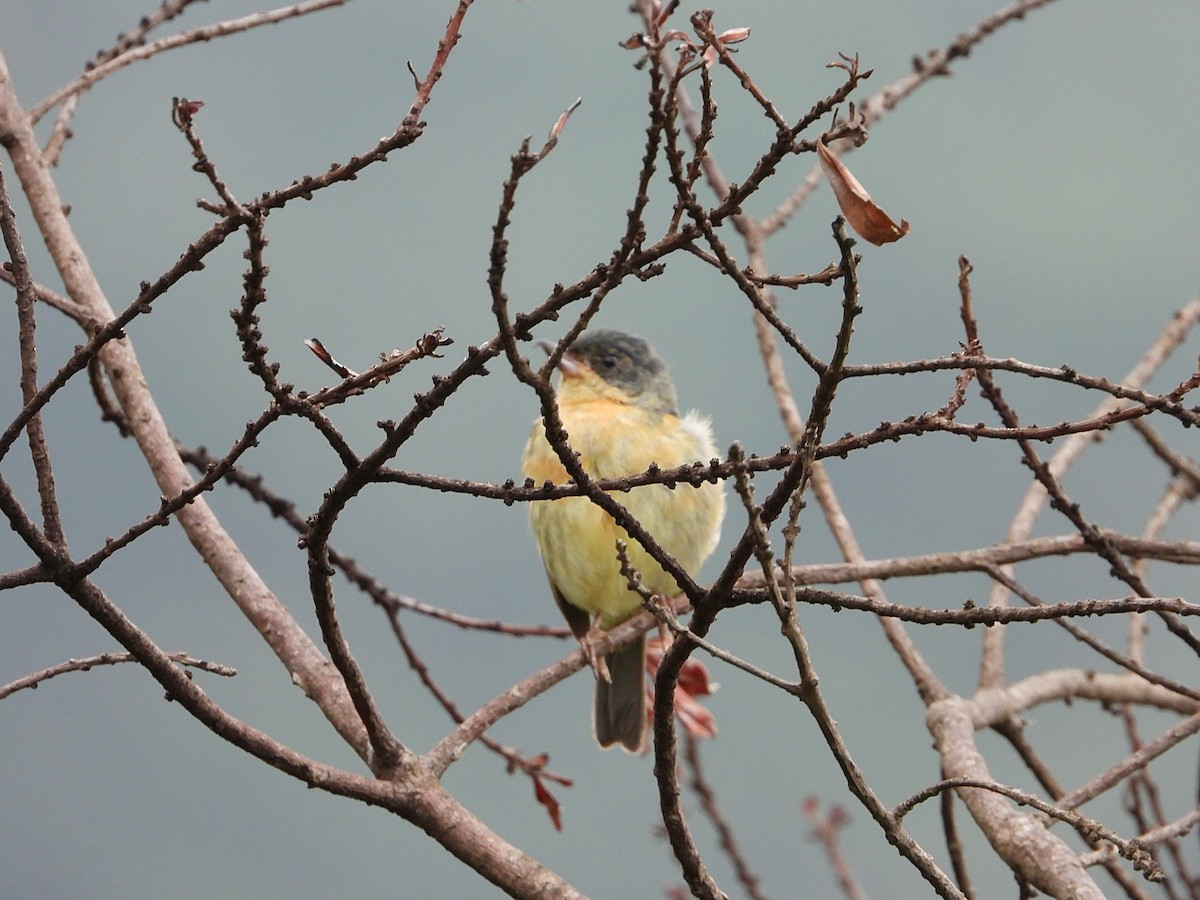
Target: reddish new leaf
{"points": [[547, 800], [696, 719]]}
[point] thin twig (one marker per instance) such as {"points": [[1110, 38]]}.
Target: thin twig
{"points": [[33, 679], [1141, 860], [726, 837], [1168, 340], [39, 449], [827, 828], [196, 35], [1135, 762]]}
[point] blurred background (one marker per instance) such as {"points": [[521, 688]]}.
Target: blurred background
{"points": [[1060, 158]]}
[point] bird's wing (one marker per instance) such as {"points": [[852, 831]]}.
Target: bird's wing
{"points": [[578, 620]]}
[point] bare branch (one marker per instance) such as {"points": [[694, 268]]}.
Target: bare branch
{"points": [[197, 35], [730, 845], [39, 450], [33, 679], [1129, 849]]}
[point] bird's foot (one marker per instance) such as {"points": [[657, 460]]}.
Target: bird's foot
{"points": [[594, 644]]}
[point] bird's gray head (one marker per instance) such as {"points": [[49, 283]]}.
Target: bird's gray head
{"points": [[628, 363]]}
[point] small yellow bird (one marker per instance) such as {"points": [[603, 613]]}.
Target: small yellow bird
{"points": [[618, 406]]}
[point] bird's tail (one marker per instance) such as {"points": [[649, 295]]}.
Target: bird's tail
{"points": [[619, 714]]}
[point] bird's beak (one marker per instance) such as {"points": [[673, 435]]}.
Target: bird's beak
{"points": [[570, 364]]}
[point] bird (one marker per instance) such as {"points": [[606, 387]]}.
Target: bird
{"points": [[618, 405]]}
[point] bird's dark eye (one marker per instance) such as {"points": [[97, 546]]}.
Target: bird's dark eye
{"points": [[609, 362]]}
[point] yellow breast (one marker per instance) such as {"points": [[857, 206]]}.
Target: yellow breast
{"points": [[577, 539]]}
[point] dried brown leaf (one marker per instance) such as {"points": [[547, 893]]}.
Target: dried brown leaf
{"points": [[867, 219]]}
